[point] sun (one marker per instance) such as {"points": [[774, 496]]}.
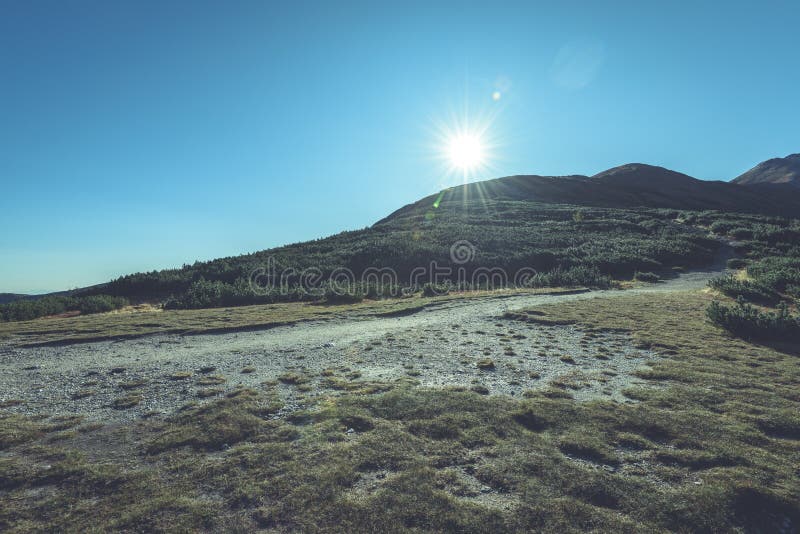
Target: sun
{"points": [[465, 146], [466, 151]]}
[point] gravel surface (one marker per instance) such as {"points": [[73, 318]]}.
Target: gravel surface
{"points": [[444, 345]]}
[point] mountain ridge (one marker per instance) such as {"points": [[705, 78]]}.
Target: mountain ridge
{"points": [[625, 186], [773, 171]]}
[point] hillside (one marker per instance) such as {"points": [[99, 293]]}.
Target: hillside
{"points": [[10, 297], [571, 230], [773, 171]]}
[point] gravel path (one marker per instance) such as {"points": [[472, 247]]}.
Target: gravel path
{"points": [[114, 381]]}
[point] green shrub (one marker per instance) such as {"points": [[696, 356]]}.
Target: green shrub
{"points": [[753, 291], [776, 272], [741, 233], [747, 321], [793, 291], [646, 277], [737, 263], [721, 227], [32, 308], [572, 277], [342, 295], [100, 303], [434, 290]]}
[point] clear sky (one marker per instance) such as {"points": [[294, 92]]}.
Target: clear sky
{"points": [[146, 134]]}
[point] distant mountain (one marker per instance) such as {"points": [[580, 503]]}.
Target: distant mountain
{"points": [[627, 186], [773, 171], [10, 297]]}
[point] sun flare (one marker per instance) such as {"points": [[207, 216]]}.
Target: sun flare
{"points": [[466, 151], [465, 146]]}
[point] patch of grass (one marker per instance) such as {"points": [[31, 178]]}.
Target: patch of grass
{"points": [[15, 429], [486, 364], [293, 378], [121, 499], [587, 447], [126, 402], [647, 277], [209, 392], [723, 408], [233, 419], [386, 461], [180, 375], [361, 387], [211, 380], [133, 384]]}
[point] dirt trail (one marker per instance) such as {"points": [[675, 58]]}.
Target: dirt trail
{"points": [[439, 345]]}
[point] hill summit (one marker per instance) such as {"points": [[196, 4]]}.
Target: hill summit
{"points": [[773, 171]]}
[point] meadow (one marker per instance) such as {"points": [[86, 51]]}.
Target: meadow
{"points": [[709, 444]]}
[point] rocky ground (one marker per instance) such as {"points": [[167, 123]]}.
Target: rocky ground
{"points": [[464, 343]]}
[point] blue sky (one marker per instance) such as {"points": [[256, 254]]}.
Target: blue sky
{"points": [[144, 135]]}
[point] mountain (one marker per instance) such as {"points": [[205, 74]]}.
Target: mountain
{"points": [[572, 230], [632, 185], [773, 171]]}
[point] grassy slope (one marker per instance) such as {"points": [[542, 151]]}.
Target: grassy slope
{"points": [[714, 447]]}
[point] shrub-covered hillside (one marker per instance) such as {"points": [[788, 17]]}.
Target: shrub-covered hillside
{"points": [[565, 245]]}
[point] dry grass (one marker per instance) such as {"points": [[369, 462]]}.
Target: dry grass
{"points": [[714, 448], [152, 320]]}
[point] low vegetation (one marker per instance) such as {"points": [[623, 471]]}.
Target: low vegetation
{"points": [[745, 289], [562, 250], [749, 322], [32, 308]]}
